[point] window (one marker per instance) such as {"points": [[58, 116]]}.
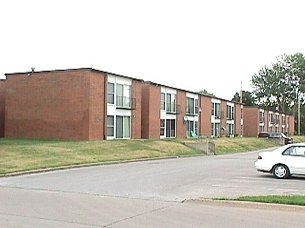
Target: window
{"points": [[162, 101], [196, 106], [191, 126], [230, 112], [216, 110], [162, 127], [295, 151], [230, 129], [215, 129], [110, 126], [271, 120], [261, 117], [261, 129], [170, 128], [123, 94], [192, 106], [110, 93], [122, 127], [277, 119], [171, 103]]}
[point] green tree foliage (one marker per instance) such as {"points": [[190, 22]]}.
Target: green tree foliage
{"points": [[247, 98], [280, 86], [205, 92]]}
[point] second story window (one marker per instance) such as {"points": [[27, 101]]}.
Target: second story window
{"points": [[110, 93], [216, 110], [162, 101], [191, 106], [170, 103], [123, 96], [230, 112], [261, 117], [271, 120]]}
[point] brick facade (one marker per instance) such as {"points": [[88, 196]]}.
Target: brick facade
{"points": [[151, 96], [205, 115], [53, 105], [253, 123], [181, 125], [2, 107], [72, 105]]}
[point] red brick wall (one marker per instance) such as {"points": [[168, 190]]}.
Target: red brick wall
{"points": [[237, 119], [51, 105], [181, 126], [151, 97], [97, 108], [251, 121], [205, 115], [2, 107], [223, 118], [136, 117], [291, 125]]}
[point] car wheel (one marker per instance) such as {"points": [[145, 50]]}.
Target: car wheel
{"points": [[280, 171]]}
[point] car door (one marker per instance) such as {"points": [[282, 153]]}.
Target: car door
{"points": [[295, 159]]}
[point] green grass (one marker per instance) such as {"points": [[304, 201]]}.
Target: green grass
{"points": [[26, 155], [289, 200], [237, 145], [19, 155]]}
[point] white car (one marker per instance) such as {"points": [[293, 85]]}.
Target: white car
{"points": [[283, 161]]}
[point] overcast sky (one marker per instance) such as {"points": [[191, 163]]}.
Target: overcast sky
{"points": [[191, 45]]}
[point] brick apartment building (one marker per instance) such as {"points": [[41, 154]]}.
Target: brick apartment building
{"points": [[2, 105], [88, 104], [258, 120], [168, 112], [71, 104]]}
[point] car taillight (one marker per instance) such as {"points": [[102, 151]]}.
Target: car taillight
{"points": [[259, 157]]}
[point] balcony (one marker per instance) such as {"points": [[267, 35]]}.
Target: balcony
{"points": [[125, 102]]}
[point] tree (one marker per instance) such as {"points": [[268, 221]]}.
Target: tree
{"points": [[282, 86], [247, 98], [205, 92]]}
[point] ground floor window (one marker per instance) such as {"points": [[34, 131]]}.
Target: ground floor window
{"points": [[170, 128], [261, 129], [215, 129], [122, 127], [110, 126], [191, 126], [162, 127], [230, 129]]}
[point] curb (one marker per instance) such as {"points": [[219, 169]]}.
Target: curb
{"points": [[248, 204]]}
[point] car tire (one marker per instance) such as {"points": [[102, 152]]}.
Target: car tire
{"points": [[281, 171]]}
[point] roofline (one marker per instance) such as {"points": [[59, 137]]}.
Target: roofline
{"points": [[189, 91], [120, 75], [72, 69]]}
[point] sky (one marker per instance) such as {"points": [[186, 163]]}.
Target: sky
{"points": [[194, 45]]}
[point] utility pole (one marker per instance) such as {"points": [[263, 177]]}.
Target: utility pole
{"points": [[299, 116], [241, 92]]}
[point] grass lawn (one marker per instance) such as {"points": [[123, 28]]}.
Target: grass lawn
{"points": [[19, 155], [25, 155], [289, 200]]}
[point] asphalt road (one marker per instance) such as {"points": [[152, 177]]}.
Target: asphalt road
{"points": [[159, 193]]}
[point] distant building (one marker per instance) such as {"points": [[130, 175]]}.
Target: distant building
{"points": [[258, 120]]}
